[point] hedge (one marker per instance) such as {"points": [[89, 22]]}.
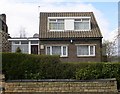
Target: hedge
{"points": [[25, 66], [100, 71]]}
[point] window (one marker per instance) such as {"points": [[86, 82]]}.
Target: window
{"points": [[57, 50], [24, 42], [82, 24], [23, 45], [56, 24], [85, 50], [16, 42], [34, 42], [69, 23]]}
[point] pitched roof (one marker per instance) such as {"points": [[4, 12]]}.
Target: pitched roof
{"points": [[44, 33]]}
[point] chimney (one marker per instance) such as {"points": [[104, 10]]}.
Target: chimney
{"points": [[3, 17]]}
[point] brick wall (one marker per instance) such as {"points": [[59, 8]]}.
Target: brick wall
{"points": [[4, 43], [108, 86], [72, 49]]}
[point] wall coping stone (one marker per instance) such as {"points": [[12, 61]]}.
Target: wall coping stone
{"points": [[63, 80]]}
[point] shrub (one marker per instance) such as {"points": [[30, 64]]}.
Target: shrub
{"points": [[92, 71], [100, 71], [18, 50]]}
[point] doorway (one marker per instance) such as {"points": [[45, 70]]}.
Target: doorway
{"points": [[34, 49]]}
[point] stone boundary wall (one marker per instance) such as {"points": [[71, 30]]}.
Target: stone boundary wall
{"points": [[61, 86]]}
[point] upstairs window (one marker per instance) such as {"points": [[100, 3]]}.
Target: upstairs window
{"points": [[56, 24], [69, 23], [82, 24]]}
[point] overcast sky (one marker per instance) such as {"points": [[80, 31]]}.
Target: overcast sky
{"points": [[25, 14]]}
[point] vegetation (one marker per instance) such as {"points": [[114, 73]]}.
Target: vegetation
{"points": [[18, 50], [109, 50], [25, 66]]}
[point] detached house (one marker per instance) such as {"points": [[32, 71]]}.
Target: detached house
{"points": [[75, 36]]}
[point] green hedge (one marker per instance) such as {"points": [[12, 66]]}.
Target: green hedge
{"points": [[99, 71], [25, 66]]}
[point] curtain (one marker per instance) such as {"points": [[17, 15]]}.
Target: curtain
{"points": [[82, 50], [56, 50]]}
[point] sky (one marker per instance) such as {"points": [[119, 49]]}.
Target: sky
{"points": [[24, 14]]}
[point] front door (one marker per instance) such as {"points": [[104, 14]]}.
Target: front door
{"points": [[34, 49]]}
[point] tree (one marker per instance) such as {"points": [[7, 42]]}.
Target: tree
{"points": [[109, 49], [18, 50], [22, 32]]}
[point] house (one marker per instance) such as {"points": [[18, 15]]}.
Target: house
{"points": [[75, 36], [27, 45], [4, 43]]}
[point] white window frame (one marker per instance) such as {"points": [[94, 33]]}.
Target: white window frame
{"points": [[72, 18], [89, 45], [61, 50], [81, 20], [55, 21]]}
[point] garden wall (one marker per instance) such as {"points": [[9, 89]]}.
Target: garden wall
{"points": [[61, 85]]}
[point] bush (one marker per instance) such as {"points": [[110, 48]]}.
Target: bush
{"points": [[18, 50], [99, 71]]}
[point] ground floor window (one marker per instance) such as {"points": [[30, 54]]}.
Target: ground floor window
{"points": [[23, 48], [85, 50], [57, 50]]}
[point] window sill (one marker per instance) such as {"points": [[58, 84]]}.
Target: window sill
{"points": [[83, 30], [85, 55], [56, 30], [63, 56]]}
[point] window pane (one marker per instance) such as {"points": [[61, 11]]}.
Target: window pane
{"points": [[60, 26], [60, 20], [56, 50], [78, 25], [77, 19], [52, 20], [34, 42], [81, 25], [85, 25], [48, 50], [53, 26], [91, 50], [24, 48], [64, 50], [24, 42], [56, 25], [85, 20], [16, 42], [82, 50]]}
